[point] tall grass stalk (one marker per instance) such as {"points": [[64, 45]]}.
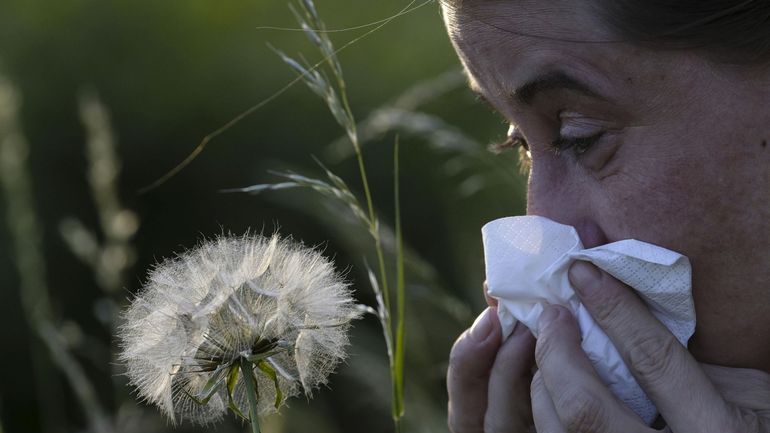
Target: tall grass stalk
{"points": [[205, 141], [398, 368], [26, 233], [334, 93], [339, 105]]}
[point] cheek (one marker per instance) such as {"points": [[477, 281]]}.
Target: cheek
{"points": [[676, 203], [553, 191]]}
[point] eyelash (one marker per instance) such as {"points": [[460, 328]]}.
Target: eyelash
{"points": [[579, 144], [509, 143]]}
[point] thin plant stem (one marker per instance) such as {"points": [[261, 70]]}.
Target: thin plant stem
{"points": [[348, 29], [352, 130], [375, 230], [398, 374], [26, 233], [396, 358], [396, 361], [222, 129], [339, 104], [247, 368], [75, 374]]}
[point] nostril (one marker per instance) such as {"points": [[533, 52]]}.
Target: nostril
{"points": [[591, 235]]}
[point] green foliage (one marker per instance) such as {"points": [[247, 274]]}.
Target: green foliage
{"points": [[173, 73]]}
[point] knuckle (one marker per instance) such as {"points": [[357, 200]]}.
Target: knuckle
{"points": [[541, 350], [544, 346], [509, 355], [582, 413], [652, 358], [608, 308], [537, 388], [744, 420]]}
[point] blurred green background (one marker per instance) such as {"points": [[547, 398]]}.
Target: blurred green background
{"points": [[168, 73]]}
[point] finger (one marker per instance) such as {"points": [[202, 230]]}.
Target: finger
{"points": [[543, 411], [470, 363], [492, 302], [582, 401], [508, 405], [670, 376]]}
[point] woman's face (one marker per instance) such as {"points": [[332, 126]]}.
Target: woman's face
{"points": [[626, 142]]}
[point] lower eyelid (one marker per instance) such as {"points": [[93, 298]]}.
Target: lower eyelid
{"points": [[601, 160]]}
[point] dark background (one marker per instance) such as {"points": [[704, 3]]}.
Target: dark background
{"points": [[170, 72]]}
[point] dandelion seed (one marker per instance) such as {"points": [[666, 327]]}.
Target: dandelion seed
{"points": [[236, 314]]}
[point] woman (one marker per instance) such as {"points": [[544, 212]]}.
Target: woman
{"points": [[645, 120]]}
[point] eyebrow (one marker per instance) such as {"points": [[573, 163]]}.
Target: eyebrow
{"points": [[555, 80]]}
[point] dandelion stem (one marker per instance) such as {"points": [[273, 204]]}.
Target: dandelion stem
{"points": [[247, 368]]}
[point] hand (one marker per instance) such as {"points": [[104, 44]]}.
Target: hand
{"points": [[568, 396], [488, 382]]}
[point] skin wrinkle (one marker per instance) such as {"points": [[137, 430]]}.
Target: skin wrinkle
{"points": [[687, 173], [533, 17], [738, 51], [549, 81]]}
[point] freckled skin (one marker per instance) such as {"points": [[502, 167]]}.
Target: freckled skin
{"points": [[679, 166]]}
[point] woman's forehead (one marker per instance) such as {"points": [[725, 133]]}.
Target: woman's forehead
{"points": [[502, 36], [507, 44], [561, 20]]}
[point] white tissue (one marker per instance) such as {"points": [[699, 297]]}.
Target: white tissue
{"points": [[527, 259]]}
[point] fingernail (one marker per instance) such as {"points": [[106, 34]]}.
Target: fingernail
{"points": [[482, 327], [583, 276], [549, 314]]}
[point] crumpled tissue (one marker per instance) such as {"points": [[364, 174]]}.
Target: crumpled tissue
{"points": [[527, 259]]}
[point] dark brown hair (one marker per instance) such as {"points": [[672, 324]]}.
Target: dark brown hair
{"points": [[729, 31], [732, 31]]}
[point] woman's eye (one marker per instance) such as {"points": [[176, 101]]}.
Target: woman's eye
{"points": [[579, 145], [577, 132], [513, 140]]}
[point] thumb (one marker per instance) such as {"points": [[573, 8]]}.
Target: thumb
{"points": [[470, 362]]}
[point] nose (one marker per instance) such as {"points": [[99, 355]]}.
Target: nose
{"points": [[554, 194]]}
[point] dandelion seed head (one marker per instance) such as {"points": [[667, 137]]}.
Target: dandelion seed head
{"points": [[267, 298]]}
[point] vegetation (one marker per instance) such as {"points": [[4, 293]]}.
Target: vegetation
{"points": [[81, 236]]}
